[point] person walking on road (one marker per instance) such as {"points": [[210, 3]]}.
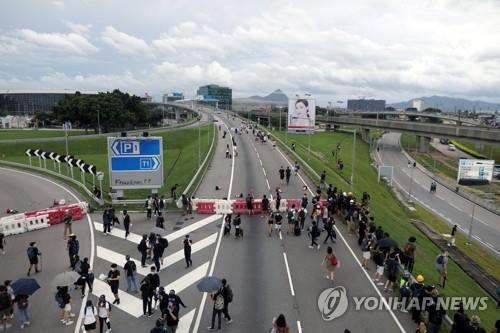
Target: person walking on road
{"points": [[366, 247], [265, 206], [142, 247], [296, 168], [83, 268], [219, 305], [106, 222], [314, 233], [238, 232], [322, 181], [126, 223], [104, 314], [288, 173], [73, 247], [2, 243], [130, 269], [147, 296], [291, 219], [187, 251], [154, 279], [173, 192], [302, 217], [270, 222], [249, 202], [228, 295], [66, 306], [281, 172], [33, 254], [157, 253], [22, 306], [304, 201], [330, 263], [148, 204], [160, 220], [89, 317], [331, 234], [442, 267], [5, 308], [280, 325], [453, 235], [67, 220], [278, 218], [227, 225], [114, 282]]}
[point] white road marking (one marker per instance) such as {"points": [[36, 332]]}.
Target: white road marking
{"points": [[217, 247], [135, 238], [264, 171], [260, 162], [357, 261], [185, 322], [299, 327], [119, 258], [188, 279], [92, 240], [128, 303], [268, 185], [289, 275]]}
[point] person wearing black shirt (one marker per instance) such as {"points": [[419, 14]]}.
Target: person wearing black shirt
{"points": [[187, 251], [114, 282], [33, 254], [281, 171], [265, 206], [288, 173], [126, 223], [147, 296], [160, 220], [130, 271], [143, 249], [84, 271]]}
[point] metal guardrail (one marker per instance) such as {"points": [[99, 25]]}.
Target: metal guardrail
{"points": [[53, 173]]}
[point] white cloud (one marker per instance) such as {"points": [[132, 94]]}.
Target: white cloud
{"points": [[71, 42], [59, 4], [331, 48], [124, 43]]}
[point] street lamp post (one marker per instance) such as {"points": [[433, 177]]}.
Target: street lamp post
{"points": [[469, 237], [67, 146], [98, 121], [199, 145], [309, 139], [353, 160], [280, 118], [411, 182]]}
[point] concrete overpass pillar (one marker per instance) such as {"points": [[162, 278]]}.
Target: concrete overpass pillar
{"points": [[365, 134], [423, 143], [177, 114]]}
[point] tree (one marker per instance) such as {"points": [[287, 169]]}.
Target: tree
{"points": [[411, 110], [432, 110]]}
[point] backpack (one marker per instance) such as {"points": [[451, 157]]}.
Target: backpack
{"points": [[334, 261], [302, 215], [409, 249], [440, 259], [31, 253], [164, 242], [58, 298], [416, 292], [5, 301], [229, 294], [290, 214], [219, 302], [133, 266]]}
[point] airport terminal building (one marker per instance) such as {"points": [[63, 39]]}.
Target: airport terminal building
{"points": [[29, 101]]}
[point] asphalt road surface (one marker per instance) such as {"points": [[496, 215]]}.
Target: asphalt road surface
{"points": [[451, 207], [273, 275], [24, 191]]}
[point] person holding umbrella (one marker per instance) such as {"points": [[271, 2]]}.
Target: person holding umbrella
{"points": [[33, 254], [22, 288], [214, 285]]}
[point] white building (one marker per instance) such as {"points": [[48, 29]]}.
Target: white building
{"points": [[15, 121], [418, 104]]}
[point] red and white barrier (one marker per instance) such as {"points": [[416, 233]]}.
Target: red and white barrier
{"points": [[39, 219]]}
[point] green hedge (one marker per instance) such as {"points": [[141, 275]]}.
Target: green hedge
{"points": [[468, 150]]}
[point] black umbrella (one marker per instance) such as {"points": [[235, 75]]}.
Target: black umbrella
{"points": [[387, 242], [209, 284], [25, 286]]}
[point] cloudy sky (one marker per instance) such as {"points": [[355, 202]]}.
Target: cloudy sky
{"points": [[389, 49]]}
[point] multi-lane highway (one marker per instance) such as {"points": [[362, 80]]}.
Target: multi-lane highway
{"points": [[450, 206]]}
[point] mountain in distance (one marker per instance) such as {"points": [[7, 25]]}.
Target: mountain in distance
{"points": [[449, 104], [276, 97]]}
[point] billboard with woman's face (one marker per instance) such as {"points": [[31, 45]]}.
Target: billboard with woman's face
{"points": [[301, 115]]}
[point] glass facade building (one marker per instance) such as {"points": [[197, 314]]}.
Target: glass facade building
{"points": [[27, 102], [224, 95]]}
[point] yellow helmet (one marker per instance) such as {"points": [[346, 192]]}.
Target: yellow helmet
{"points": [[420, 278]]}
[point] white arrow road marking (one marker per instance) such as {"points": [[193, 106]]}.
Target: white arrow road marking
{"points": [[119, 258], [135, 238], [188, 279], [133, 305], [128, 303], [185, 322]]}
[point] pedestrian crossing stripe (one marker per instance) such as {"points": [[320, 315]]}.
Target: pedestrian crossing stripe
{"points": [[135, 238], [133, 305], [115, 257]]}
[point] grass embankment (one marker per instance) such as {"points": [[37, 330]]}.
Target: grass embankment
{"points": [[447, 168], [180, 157], [488, 151], [15, 134], [394, 217]]}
